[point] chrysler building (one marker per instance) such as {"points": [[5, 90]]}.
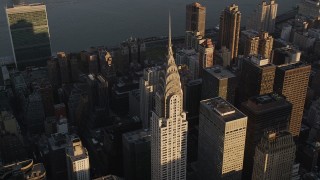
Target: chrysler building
{"points": [[169, 126]]}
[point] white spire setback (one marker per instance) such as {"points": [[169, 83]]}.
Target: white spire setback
{"points": [[168, 124]]}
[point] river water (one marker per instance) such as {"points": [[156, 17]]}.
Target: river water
{"points": [[78, 24]]}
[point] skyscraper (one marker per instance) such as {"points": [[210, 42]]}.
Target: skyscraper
{"points": [[168, 125], [206, 51], [256, 43], [264, 17], [222, 135], [274, 156], [148, 85], [29, 31], [218, 82], [265, 112], [262, 83], [291, 80], [229, 29], [196, 18], [77, 161]]}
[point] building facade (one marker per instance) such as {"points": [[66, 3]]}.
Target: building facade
{"points": [[168, 125], [222, 135], [196, 18], [264, 73], [265, 112], [264, 17], [229, 29], [29, 31], [148, 86], [291, 80], [218, 82], [274, 156], [77, 161]]}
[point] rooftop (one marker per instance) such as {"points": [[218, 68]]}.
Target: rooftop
{"points": [[266, 102], [220, 72], [26, 8], [137, 136], [223, 109], [286, 67]]}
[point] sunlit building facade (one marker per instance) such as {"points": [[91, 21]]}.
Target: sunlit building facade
{"points": [[29, 31]]}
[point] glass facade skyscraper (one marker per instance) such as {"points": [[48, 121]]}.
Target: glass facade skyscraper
{"points": [[29, 30]]}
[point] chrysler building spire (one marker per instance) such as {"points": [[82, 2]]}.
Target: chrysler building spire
{"points": [[168, 124]]}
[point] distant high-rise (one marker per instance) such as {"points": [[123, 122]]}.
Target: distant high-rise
{"points": [[206, 51], [229, 30], [262, 83], [148, 85], [265, 112], [274, 156], [218, 82], [255, 43], [196, 18], [264, 17], [77, 161], [29, 31], [168, 125], [222, 135], [291, 80], [285, 55]]}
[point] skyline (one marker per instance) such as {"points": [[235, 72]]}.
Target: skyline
{"points": [[213, 105], [63, 18]]}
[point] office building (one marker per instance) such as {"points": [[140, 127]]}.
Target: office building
{"points": [[136, 155], [77, 160], [193, 39], [196, 18], [192, 98], [229, 30], [223, 57], [309, 8], [291, 80], [148, 85], [206, 52], [285, 55], [133, 50], [168, 125], [222, 135], [54, 72], [264, 17], [34, 114], [218, 82], [262, 83], [265, 112], [256, 43], [274, 156], [64, 67], [29, 32]]}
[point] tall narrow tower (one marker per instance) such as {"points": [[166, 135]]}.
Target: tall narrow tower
{"points": [[168, 125], [196, 18], [230, 29]]}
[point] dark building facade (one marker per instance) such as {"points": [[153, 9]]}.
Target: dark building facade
{"points": [[218, 82], [265, 112], [257, 78]]}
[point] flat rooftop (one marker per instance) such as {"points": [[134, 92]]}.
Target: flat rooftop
{"points": [[266, 102], [223, 109], [286, 67], [220, 72], [26, 8]]}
